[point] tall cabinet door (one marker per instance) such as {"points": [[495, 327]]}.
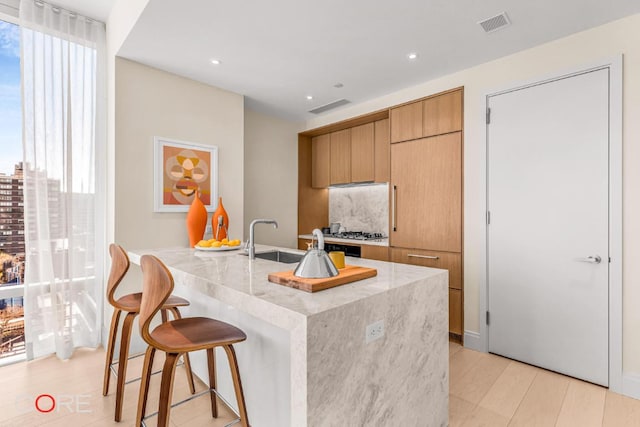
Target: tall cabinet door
{"points": [[320, 153], [426, 183], [362, 153], [340, 162]]}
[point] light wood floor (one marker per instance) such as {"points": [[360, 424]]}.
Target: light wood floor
{"points": [[82, 376], [485, 390], [488, 390]]}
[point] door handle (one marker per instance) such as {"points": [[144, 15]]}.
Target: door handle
{"points": [[591, 259], [393, 208]]}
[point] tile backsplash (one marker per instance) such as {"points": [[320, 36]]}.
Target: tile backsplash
{"points": [[364, 208]]}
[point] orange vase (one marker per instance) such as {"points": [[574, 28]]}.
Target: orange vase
{"points": [[220, 222], [196, 220]]}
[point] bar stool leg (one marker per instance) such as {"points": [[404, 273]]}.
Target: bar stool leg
{"points": [[166, 388], [144, 384], [113, 332], [235, 373], [211, 363], [122, 362], [187, 361]]}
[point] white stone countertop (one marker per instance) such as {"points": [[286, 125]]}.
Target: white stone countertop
{"points": [[354, 242], [233, 279]]}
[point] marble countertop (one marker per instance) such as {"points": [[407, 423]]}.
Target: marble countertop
{"points": [[232, 278], [355, 242]]}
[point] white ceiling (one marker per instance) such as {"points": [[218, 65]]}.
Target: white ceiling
{"points": [[276, 52]]}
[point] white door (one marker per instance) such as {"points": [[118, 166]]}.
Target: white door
{"points": [[547, 196]]}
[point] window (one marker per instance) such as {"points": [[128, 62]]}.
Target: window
{"points": [[11, 206]]}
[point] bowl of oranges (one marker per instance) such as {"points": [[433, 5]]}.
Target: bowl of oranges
{"points": [[214, 245]]}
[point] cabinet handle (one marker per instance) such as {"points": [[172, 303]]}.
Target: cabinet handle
{"points": [[423, 256], [393, 208]]}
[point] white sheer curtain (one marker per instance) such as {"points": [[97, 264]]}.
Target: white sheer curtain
{"points": [[64, 133]]}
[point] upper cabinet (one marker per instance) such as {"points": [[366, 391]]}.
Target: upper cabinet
{"points": [[353, 155], [381, 148], [432, 116], [320, 151], [442, 114], [340, 157], [362, 153], [406, 122]]}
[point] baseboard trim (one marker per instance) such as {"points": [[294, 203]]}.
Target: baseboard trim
{"points": [[631, 385], [472, 340]]}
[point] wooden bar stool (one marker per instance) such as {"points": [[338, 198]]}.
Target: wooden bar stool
{"points": [[130, 304], [177, 337]]}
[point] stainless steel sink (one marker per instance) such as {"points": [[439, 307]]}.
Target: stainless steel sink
{"points": [[280, 256]]}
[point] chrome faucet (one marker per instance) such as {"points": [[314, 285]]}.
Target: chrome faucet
{"points": [[251, 245]]}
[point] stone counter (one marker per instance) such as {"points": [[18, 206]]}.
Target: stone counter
{"points": [[305, 361]]}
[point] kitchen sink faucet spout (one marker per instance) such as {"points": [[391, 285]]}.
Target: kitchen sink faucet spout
{"points": [[251, 246]]}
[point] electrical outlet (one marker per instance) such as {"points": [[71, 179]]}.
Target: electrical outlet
{"points": [[374, 331], [208, 231]]}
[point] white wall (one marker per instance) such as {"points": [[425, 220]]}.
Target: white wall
{"points": [[149, 103], [620, 37], [122, 18], [271, 177]]}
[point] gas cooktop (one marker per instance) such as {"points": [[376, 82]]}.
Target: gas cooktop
{"points": [[357, 235]]}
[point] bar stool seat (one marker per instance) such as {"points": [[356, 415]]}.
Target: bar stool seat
{"points": [[178, 337], [196, 333], [130, 304]]}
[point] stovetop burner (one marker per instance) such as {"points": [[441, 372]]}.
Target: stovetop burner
{"points": [[357, 235]]}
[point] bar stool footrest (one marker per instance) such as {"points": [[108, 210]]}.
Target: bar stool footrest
{"points": [[202, 393]]}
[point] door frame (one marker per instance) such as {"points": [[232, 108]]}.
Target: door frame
{"points": [[614, 65]]}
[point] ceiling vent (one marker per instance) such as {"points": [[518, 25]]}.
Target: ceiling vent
{"points": [[329, 106], [495, 23]]}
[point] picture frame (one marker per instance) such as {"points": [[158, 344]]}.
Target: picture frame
{"points": [[181, 167]]}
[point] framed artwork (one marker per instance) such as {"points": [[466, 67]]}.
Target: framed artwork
{"points": [[181, 168]]}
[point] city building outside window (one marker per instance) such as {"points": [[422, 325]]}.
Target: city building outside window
{"points": [[12, 252]]}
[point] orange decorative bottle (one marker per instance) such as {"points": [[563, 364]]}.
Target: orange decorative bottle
{"points": [[196, 220], [220, 222]]}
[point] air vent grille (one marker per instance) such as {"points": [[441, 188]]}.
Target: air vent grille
{"points": [[329, 106], [495, 23]]}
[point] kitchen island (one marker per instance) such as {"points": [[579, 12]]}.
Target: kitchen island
{"points": [[306, 360]]}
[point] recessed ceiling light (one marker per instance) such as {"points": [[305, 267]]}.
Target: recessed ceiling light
{"points": [[216, 62], [412, 56], [309, 97]]}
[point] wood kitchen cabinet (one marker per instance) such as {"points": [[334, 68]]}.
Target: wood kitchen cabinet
{"points": [[417, 148], [435, 115], [380, 253], [357, 154], [382, 151], [362, 153], [340, 157], [445, 260], [406, 122], [456, 312], [426, 193], [320, 155], [442, 114]]}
